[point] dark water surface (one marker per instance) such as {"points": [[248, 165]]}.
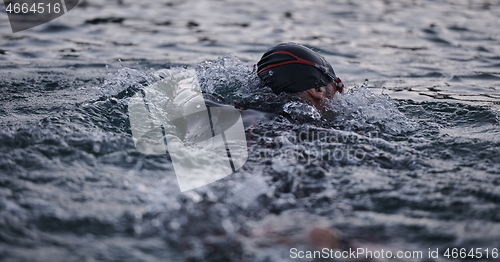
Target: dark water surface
{"points": [[409, 162]]}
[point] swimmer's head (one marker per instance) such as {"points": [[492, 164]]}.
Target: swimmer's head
{"points": [[293, 68], [296, 69]]}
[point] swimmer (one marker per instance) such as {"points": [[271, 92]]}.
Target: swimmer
{"points": [[297, 70]]}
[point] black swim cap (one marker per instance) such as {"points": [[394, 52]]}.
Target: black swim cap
{"points": [[291, 68]]}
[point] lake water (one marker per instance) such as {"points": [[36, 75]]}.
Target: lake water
{"points": [[408, 163]]}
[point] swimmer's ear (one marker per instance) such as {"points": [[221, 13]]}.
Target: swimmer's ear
{"points": [[317, 93]]}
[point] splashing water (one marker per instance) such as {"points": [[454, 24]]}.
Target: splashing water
{"points": [[360, 109], [230, 79]]}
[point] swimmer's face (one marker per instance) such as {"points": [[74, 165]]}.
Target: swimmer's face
{"points": [[330, 90], [319, 96], [323, 105]]}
